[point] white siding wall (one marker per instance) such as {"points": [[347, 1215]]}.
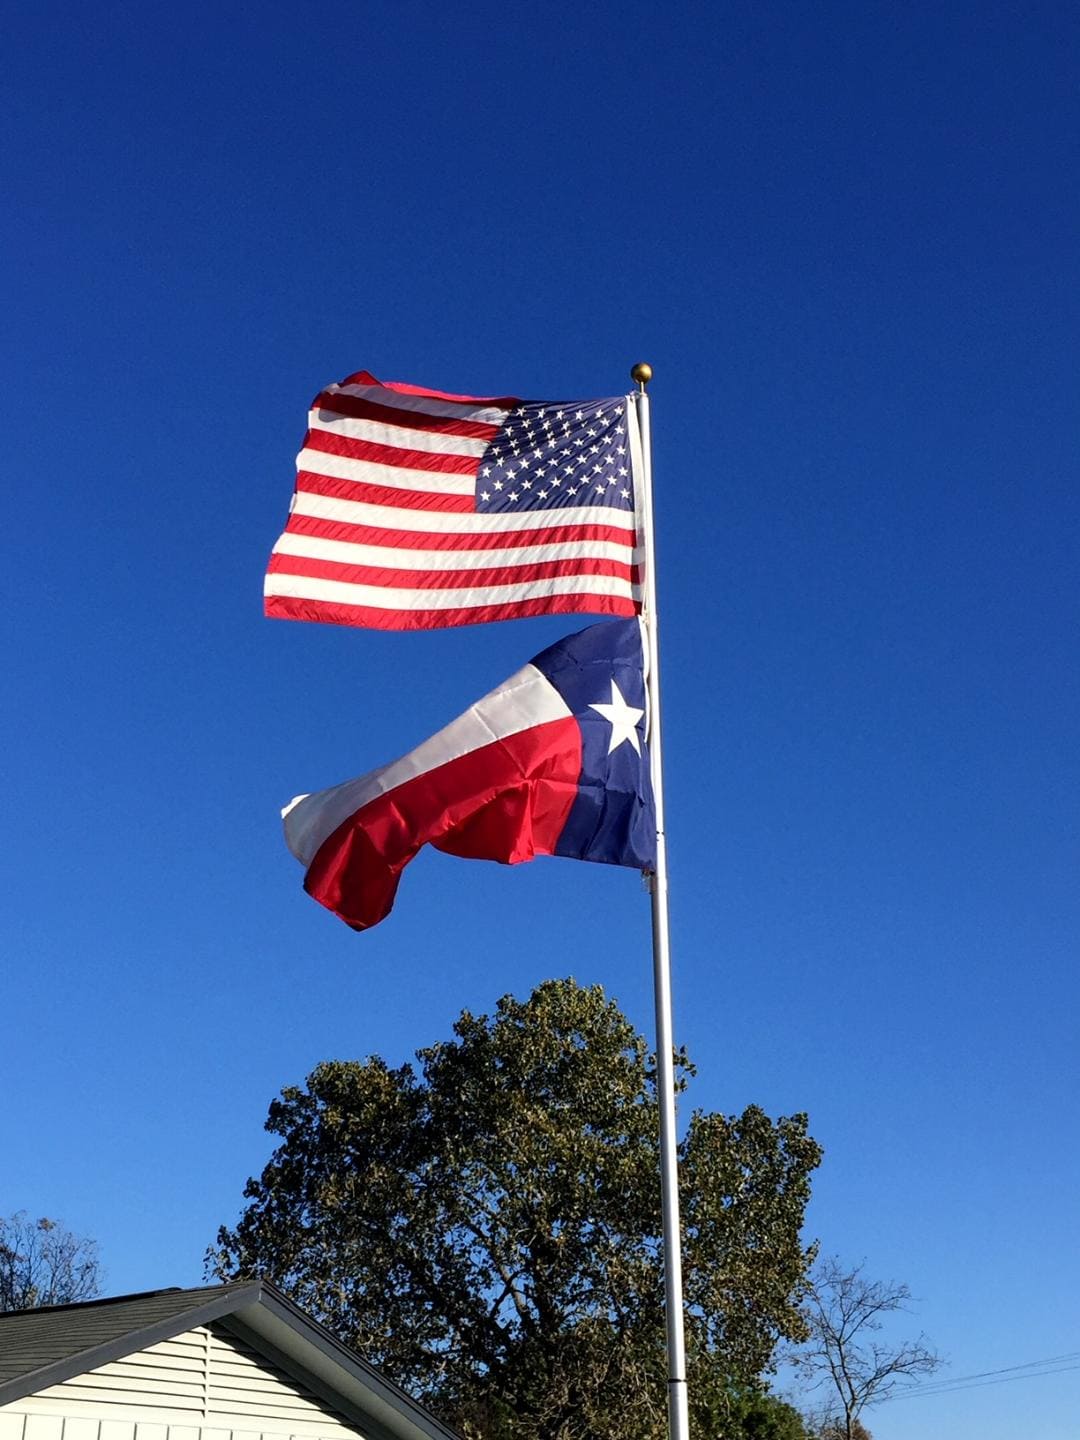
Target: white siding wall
{"points": [[203, 1385]]}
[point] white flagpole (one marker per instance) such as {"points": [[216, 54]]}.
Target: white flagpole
{"points": [[678, 1421]]}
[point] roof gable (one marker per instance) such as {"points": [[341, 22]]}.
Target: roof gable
{"points": [[206, 1378], [42, 1349]]}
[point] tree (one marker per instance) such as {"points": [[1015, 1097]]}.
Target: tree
{"points": [[488, 1230], [42, 1263], [844, 1311], [756, 1415], [837, 1430]]}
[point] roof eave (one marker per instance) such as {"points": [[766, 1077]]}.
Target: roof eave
{"points": [[335, 1371]]}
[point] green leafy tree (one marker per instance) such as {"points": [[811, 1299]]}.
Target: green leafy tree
{"points": [[487, 1230], [752, 1414], [42, 1263]]}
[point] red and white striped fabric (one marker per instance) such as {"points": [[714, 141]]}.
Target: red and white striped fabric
{"points": [[416, 510]]}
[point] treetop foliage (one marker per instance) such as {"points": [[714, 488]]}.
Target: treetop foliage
{"points": [[486, 1226]]}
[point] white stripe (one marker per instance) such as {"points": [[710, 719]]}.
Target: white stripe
{"points": [[455, 409], [525, 700], [344, 552], [388, 597], [397, 436], [339, 467], [389, 517]]}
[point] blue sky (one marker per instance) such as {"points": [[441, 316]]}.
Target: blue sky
{"points": [[846, 239]]}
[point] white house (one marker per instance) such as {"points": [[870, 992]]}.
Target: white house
{"points": [[225, 1362]]}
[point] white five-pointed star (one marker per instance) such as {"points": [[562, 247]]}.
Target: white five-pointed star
{"points": [[622, 718]]}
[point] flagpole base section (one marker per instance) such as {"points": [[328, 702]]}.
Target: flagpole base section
{"points": [[678, 1412]]}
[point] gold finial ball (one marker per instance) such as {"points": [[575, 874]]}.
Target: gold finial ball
{"points": [[641, 374]]}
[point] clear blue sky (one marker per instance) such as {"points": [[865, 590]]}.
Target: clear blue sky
{"points": [[846, 237]]}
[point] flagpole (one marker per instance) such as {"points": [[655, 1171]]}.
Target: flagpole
{"points": [[678, 1421]]}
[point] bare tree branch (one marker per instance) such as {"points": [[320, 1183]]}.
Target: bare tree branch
{"points": [[41, 1263], [843, 1311]]}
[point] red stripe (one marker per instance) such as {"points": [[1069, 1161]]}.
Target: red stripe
{"points": [[387, 577], [361, 491], [282, 607], [330, 442], [506, 801], [441, 540], [364, 377], [359, 409]]}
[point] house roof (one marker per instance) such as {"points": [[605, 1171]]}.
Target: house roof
{"points": [[39, 1348]]}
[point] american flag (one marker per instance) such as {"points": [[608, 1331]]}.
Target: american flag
{"points": [[415, 510]]}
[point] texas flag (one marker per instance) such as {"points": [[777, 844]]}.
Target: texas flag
{"points": [[552, 762]]}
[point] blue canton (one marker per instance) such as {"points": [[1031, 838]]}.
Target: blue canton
{"points": [[613, 817], [551, 456]]}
